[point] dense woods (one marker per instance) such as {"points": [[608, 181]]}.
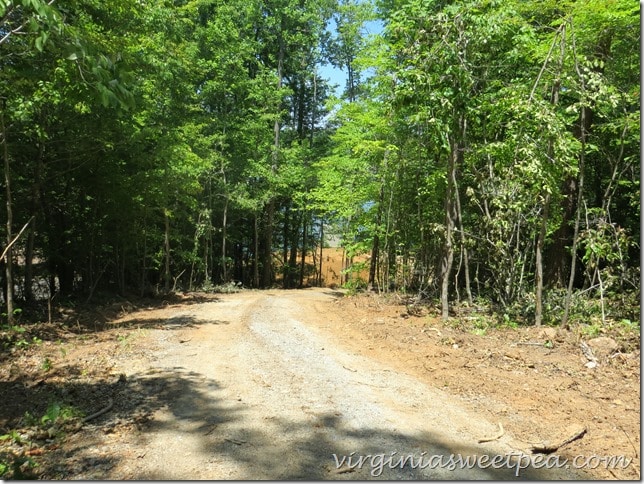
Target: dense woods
{"points": [[482, 151]]}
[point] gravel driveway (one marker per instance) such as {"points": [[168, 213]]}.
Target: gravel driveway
{"points": [[251, 391]]}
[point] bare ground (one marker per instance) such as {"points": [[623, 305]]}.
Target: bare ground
{"points": [[271, 384]]}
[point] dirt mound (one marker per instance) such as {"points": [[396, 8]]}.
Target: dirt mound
{"points": [[535, 381]]}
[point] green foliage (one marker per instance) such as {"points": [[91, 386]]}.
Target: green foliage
{"points": [[229, 288], [507, 321], [46, 364], [14, 336], [497, 66], [24, 343], [17, 465], [591, 330], [14, 466], [13, 436], [58, 413], [164, 144], [16, 328], [630, 326], [354, 285], [480, 326]]}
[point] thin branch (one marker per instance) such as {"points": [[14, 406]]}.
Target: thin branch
{"points": [[22, 26], [615, 176], [15, 239], [14, 31], [545, 62], [7, 13]]}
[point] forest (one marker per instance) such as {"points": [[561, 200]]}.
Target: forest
{"points": [[481, 152]]}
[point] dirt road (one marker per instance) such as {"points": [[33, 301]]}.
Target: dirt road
{"points": [[249, 386]]}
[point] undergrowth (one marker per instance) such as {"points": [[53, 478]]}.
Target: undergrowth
{"points": [[19, 447]]}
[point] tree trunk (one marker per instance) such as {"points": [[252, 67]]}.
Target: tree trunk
{"points": [[301, 108], [557, 254], [573, 259], [584, 128], [459, 219], [29, 264], [465, 260], [538, 311], [166, 249], [144, 271], [195, 251], [448, 251], [320, 278], [224, 227], [313, 113], [256, 253], [267, 259], [554, 100], [267, 255], [9, 250], [286, 238], [292, 262], [375, 249], [31, 237], [303, 255]]}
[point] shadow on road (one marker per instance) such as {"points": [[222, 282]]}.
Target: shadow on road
{"points": [[132, 403], [299, 449], [284, 455]]}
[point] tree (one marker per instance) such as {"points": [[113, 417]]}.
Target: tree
{"points": [[492, 151], [35, 19]]}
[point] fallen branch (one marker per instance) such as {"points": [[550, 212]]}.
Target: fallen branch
{"points": [[236, 442], [546, 448], [429, 368], [587, 352], [370, 385], [496, 437], [630, 441], [107, 408], [438, 333], [341, 470]]}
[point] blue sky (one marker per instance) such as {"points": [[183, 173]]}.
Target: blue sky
{"points": [[338, 76], [334, 75]]}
